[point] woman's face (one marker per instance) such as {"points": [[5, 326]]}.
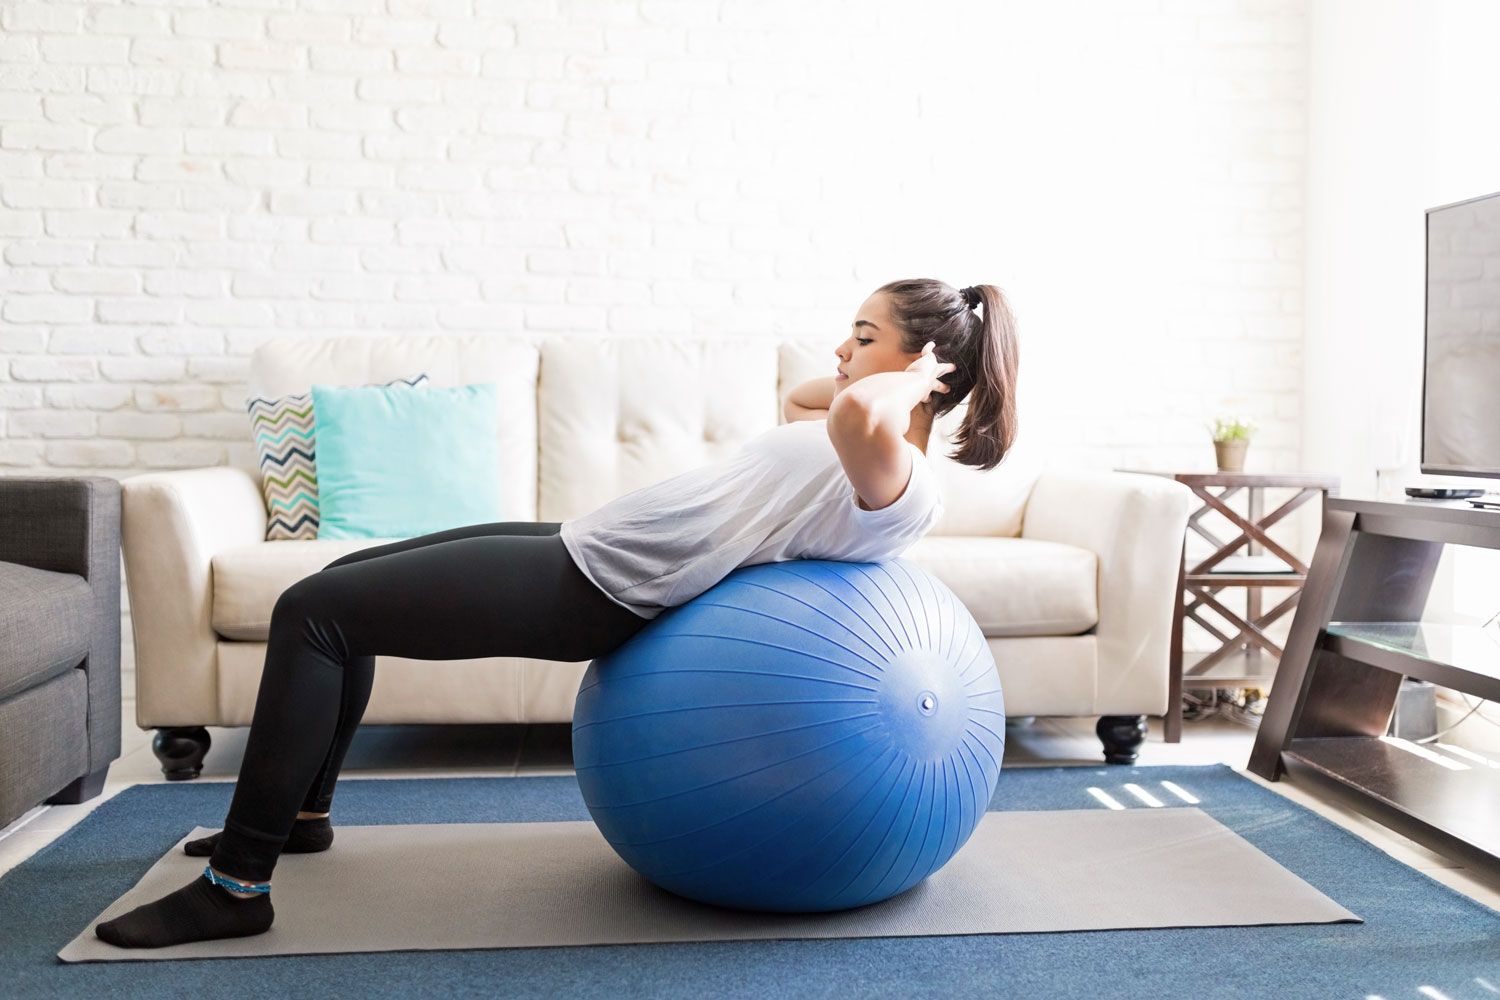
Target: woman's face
{"points": [[873, 345]]}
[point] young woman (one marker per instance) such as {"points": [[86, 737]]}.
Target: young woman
{"points": [[844, 478]]}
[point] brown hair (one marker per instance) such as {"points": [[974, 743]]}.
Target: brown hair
{"points": [[981, 346]]}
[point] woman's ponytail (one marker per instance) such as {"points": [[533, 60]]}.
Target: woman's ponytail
{"points": [[989, 427]]}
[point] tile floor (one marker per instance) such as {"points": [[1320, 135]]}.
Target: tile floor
{"points": [[520, 751]]}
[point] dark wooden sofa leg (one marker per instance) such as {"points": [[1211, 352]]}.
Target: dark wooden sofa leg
{"points": [[81, 789], [181, 751], [1122, 736]]}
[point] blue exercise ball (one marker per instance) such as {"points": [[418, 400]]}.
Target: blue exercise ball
{"points": [[804, 736]]}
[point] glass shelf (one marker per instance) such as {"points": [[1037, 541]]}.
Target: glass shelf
{"points": [[1451, 655]]}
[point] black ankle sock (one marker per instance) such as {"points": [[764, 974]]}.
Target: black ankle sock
{"points": [[309, 836], [199, 911]]}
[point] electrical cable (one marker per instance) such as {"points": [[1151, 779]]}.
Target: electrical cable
{"points": [[1490, 623], [1226, 703], [1472, 709]]}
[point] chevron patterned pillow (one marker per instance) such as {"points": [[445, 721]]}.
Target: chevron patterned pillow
{"points": [[284, 439]]}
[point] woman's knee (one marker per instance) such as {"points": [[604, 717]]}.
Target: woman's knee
{"points": [[316, 612], [307, 596]]}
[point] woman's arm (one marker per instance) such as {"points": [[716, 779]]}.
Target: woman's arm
{"points": [[810, 400], [868, 431], [882, 403], [869, 421]]}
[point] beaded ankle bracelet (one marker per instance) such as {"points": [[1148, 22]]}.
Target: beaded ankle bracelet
{"points": [[228, 883]]}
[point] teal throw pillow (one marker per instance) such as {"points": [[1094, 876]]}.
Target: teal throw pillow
{"points": [[283, 428], [393, 463]]}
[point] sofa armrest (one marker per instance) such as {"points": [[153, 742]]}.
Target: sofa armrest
{"points": [[71, 524], [1135, 524], [174, 523]]}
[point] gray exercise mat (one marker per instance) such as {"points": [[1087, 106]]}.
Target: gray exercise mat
{"points": [[524, 885]]}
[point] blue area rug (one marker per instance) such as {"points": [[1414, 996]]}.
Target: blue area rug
{"points": [[1417, 931]]}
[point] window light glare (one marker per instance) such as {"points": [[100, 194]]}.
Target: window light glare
{"points": [[1425, 754], [1104, 797], [1468, 754], [1180, 792]]}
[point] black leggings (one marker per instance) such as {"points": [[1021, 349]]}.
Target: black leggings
{"points": [[504, 589]]}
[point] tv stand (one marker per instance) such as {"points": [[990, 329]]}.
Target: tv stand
{"points": [[1357, 632]]}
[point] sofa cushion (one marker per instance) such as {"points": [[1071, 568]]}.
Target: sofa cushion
{"points": [[1013, 586], [1016, 586], [619, 413], [45, 618], [398, 463]]}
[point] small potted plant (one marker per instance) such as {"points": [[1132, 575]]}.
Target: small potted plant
{"points": [[1231, 438]]}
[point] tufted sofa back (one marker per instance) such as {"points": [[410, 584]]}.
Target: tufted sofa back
{"points": [[584, 419]]}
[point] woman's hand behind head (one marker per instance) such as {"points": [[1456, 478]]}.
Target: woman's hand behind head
{"points": [[929, 366]]}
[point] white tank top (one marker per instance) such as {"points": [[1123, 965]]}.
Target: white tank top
{"points": [[784, 495]]}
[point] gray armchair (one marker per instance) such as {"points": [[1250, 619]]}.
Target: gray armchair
{"points": [[59, 639]]}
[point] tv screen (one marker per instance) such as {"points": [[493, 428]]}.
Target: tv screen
{"points": [[1461, 361]]}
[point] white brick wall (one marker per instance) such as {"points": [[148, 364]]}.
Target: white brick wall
{"points": [[179, 181]]}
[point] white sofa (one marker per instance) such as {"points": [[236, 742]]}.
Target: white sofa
{"points": [[1070, 573]]}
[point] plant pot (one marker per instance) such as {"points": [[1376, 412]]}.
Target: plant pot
{"points": [[1231, 455]]}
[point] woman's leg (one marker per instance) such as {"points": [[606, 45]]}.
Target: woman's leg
{"points": [[465, 596], [354, 695], [478, 596], [359, 672]]}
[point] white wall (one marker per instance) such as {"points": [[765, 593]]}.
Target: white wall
{"points": [[1403, 97], [182, 180]]}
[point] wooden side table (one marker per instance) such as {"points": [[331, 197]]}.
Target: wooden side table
{"points": [[1225, 568]]}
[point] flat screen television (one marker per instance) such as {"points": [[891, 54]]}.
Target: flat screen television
{"points": [[1461, 352]]}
